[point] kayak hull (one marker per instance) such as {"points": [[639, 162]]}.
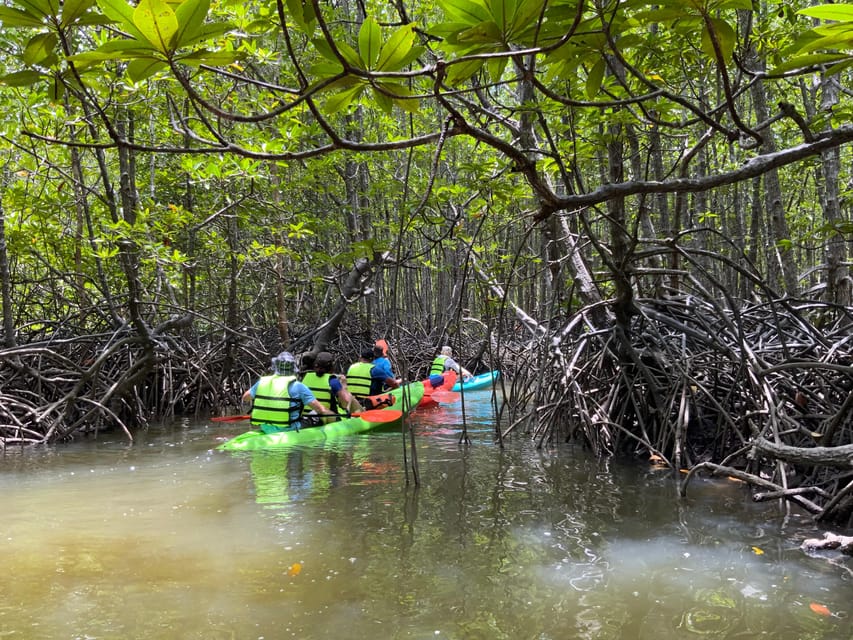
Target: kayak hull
{"points": [[427, 400], [482, 381], [406, 397]]}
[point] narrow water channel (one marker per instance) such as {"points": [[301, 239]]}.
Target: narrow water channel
{"points": [[168, 538]]}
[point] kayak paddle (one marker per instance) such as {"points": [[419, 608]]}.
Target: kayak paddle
{"points": [[229, 418], [379, 415], [372, 415], [445, 396]]}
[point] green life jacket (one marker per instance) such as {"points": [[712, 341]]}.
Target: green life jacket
{"points": [[272, 405], [319, 386], [437, 365], [358, 379]]}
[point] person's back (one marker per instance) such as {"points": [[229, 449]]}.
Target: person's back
{"points": [[330, 389], [444, 362], [278, 399], [358, 375], [382, 376]]}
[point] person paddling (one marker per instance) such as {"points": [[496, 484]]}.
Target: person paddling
{"points": [[382, 376], [329, 388], [279, 399], [358, 375], [444, 362]]}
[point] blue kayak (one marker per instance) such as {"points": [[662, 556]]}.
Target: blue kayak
{"points": [[481, 381]]}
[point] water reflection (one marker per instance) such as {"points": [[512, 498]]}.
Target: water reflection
{"points": [[169, 539]]}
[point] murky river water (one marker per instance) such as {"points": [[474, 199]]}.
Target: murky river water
{"points": [[170, 539]]}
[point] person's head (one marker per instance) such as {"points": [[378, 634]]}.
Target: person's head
{"points": [[308, 361], [446, 351], [324, 362], [378, 351], [367, 354], [284, 364]]}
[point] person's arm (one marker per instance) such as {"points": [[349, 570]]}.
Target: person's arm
{"points": [[319, 408], [250, 393]]}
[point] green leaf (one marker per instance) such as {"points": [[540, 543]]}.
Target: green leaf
{"points": [[349, 54], [459, 72], [72, 10], [24, 78], [801, 62], [595, 78], [143, 68], [122, 13], [397, 49], [838, 12], [369, 41], [384, 101], [725, 36], [157, 22], [466, 11], [302, 12], [17, 18], [190, 15], [496, 67], [343, 99], [212, 58], [40, 48], [44, 8]]}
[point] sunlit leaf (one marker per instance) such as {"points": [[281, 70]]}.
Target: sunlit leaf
{"points": [[802, 62], [191, 15], [369, 41], [396, 49], [343, 99], [838, 12], [157, 22], [466, 11]]}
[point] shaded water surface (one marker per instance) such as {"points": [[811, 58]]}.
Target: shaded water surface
{"points": [[168, 538]]}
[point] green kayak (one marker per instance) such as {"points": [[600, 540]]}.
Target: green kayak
{"points": [[406, 399]]}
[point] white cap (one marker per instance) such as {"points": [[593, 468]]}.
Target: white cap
{"points": [[446, 351]]}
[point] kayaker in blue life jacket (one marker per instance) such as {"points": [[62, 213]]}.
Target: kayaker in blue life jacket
{"points": [[328, 387], [382, 376], [278, 399], [444, 362]]}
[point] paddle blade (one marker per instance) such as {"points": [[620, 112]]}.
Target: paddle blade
{"points": [[446, 396], [380, 415], [229, 418]]}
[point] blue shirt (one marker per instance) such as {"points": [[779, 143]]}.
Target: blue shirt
{"points": [[297, 391], [380, 372]]}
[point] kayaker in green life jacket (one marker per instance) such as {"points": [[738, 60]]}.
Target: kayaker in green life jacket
{"points": [[358, 374], [444, 362], [329, 388], [361, 380], [279, 399]]}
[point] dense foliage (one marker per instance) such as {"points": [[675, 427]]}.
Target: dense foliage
{"points": [[638, 210]]}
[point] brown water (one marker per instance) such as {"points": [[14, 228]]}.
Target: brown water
{"points": [[169, 539]]}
